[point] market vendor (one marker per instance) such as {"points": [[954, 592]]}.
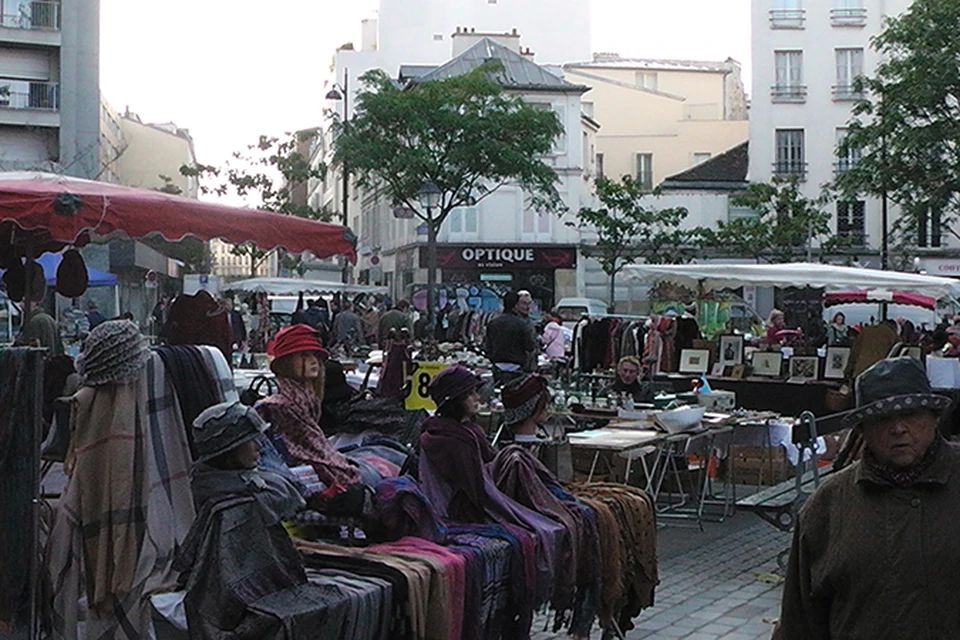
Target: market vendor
{"points": [[775, 324], [874, 551], [294, 412], [629, 381]]}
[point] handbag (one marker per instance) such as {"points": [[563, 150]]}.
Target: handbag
{"points": [[254, 393]]}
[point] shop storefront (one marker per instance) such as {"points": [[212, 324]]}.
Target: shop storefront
{"points": [[483, 273]]}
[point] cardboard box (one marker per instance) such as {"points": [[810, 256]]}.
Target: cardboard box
{"points": [[759, 465]]}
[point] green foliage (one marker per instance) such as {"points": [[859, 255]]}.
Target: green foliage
{"points": [[464, 134], [264, 176], [786, 224], [627, 230], [907, 126]]}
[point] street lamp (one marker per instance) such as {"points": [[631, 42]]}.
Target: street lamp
{"points": [[429, 196], [338, 92]]}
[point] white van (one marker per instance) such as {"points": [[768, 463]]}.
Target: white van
{"points": [[572, 309]]}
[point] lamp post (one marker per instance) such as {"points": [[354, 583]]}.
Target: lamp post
{"points": [[342, 92], [429, 196]]}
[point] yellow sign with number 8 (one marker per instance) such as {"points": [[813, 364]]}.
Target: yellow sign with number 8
{"points": [[419, 397]]}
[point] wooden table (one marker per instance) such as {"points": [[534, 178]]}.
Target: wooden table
{"points": [[614, 440]]}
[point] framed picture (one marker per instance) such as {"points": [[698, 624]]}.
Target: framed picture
{"points": [[694, 360], [717, 369], [767, 363], [731, 350], [739, 371], [913, 352], [804, 367], [837, 359]]}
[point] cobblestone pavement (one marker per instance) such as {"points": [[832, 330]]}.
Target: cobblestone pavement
{"points": [[708, 584]]}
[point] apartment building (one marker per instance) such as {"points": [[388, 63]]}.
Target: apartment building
{"points": [[49, 86], [806, 57], [661, 117]]}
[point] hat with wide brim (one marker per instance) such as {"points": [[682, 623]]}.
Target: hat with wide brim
{"points": [[521, 397], [451, 383], [893, 386]]}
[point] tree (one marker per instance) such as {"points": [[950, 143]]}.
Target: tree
{"points": [[627, 230], [264, 176], [464, 135], [906, 127], [786, 225]]}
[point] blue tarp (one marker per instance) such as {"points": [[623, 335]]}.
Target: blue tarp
{"points": [[50, 262]]}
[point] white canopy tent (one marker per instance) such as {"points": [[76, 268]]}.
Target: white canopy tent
{"points": [[801, 274], [294, 286]]}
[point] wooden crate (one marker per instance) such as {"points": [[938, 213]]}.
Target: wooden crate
{"points": [[759, 465]]}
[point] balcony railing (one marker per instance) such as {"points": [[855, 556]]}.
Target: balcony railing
{"points": [[843, 165], [787, 18], [795, 168], [43, 16], [788, 93], [19, 94], [848, 17], [846, 92]]}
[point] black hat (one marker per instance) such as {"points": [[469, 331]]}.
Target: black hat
{"points": [[224, 426], [891, 386]]}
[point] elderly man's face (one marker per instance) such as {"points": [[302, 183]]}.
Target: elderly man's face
{"points": [[900, 439], [628, 372], [523, 304]]}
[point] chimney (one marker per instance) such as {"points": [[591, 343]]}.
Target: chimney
{"points": [[466, 37]]}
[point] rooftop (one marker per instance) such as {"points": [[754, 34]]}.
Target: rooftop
{"points": [[725, 172], [518, 72], [615, 61]]}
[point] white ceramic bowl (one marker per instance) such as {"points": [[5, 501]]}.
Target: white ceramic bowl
{"points": [[680, 419]]}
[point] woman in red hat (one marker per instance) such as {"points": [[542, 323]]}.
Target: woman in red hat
{"points": [[294, 412]]}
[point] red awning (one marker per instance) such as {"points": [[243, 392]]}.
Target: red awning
{"points": [[893, 297], [48, 211]]}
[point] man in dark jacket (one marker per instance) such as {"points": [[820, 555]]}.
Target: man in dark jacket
{"points": [[875, 551], [510, 344]]}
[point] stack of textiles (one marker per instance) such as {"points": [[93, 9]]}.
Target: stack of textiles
{"points": [[477, 585], [628, 542], [306, 478], [522, 477], [19, 433]]}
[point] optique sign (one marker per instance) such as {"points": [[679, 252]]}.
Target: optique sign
{"points": [[474, 257]]}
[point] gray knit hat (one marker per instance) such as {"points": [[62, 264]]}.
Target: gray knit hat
{"points": [[113, 353], [224, 426]]}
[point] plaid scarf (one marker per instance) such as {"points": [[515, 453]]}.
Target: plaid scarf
{"points": [[901, 477]]}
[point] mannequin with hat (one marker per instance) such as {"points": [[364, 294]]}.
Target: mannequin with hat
{"points": [[875, 551], [526, 403], [294, 412]]}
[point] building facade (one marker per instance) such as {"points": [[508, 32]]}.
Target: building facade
{"points": [[50, 86], [502, 243], [660, 117], [806, 57]]}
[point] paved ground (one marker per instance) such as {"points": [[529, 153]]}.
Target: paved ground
{"points": [[708, 583]]}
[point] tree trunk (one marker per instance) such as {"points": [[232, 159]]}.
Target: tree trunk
{"points": [[431, 276], [613, 292]]}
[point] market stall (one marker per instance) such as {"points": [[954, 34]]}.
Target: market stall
{"points": [[296, 286]]}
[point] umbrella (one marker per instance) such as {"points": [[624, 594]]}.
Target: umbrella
{"points": [[894, 297], [46, 212]]}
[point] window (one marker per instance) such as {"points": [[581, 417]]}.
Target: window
{"points": [[701, 156], [851, 221], [645, 170], [848, 159], [560, 144], [647, 80], [848, 13], [789, 85], [462, 223], [537, 225], [786, 14], [600, 165], [790, 153], [849, 68], [438, 37]]}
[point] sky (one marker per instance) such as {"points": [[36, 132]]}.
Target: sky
{"points": [[230, 71]]}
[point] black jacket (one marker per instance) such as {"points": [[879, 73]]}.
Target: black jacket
{"points": [[510, 339]]}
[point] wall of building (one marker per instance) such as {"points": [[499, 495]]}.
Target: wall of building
{"points": [[80, 88], [684, 116], [153, 150], [819, 114]]}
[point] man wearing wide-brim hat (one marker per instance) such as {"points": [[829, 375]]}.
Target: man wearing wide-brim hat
{"points": [[876, 549]]}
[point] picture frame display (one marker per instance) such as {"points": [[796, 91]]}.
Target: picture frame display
{"points": [[694, 360], [836, 363], [767, 363], [731, 350], [804, 367]]}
